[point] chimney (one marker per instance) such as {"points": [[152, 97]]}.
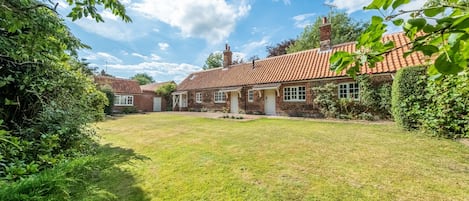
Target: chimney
{"points": [[325, 35], [227, 56]]}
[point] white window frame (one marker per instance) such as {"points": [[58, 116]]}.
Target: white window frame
{"points": [[124, 100], [349, 90], [293, 94], [250, 95], [198, 97], [219, 97]]}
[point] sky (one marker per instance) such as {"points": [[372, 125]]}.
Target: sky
{"points": [[169, 39]]}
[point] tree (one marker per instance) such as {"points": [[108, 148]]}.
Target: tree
{"points": [[143, 78], [280, 48], [214, 60], [47, 95], [440, 30], [344, 29]]}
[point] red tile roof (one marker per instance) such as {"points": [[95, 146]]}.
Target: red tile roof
{"points": [[119, 85], [153, 86], [305, 65]]}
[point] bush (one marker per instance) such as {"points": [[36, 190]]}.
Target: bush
{"points": [[385, 98], [129, 110], [110, 99], [447, 110], [408, 96], [327, 100], [45, 109]]}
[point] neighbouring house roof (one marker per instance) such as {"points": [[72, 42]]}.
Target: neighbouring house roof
{"points": [[119, 85], [305, 65], [153, 86]]}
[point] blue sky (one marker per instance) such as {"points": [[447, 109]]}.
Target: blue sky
{"points": [[169, 39]]}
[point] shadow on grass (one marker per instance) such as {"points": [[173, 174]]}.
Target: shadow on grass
{"points": [[103, 178]]}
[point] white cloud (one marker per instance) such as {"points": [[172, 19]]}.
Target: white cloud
{"points": [[107, 15], [102, 56], [152, 57], [301, 21], [159, 70], [255, 46], [212, 20], [286, 2], [349, 6], [163, 46], [355, 5], [112, 29]]}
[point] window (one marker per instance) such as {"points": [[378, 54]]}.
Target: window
{"points": [[349, 90], [219, 97], [251, 95], [198, 97], [123, 100], [297, 93]]}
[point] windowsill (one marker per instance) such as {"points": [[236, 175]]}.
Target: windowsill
{"points": [[220, 102], [294, 100], [198, 101], [250, 101], [122, 105]]}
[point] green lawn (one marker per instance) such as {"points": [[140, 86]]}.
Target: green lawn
{"points": [[193, 158]]}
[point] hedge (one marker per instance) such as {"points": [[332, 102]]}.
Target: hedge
{"points": [[408, 96]]}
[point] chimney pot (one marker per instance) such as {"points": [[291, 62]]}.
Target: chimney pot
{"points": [[324, 20]]}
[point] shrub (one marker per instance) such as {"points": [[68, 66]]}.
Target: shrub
{"points": [[327, 100], [368, 93], [129, 110], [384, 94], [447, 110], [408, 96], [366, 116], [110, 99]]}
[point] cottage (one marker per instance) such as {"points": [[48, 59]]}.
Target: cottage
{"points": [[131, 96], [282, 85]]}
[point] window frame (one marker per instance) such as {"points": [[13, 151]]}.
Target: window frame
{"points": [[251, 95], [349, 92], [294, 94], [198, 97], [219, 97], [123, 100]]}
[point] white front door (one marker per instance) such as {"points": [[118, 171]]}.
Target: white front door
{"points": [[234, 102], [156, 104], [269, 102]]}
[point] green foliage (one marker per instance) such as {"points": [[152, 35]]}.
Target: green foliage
{"points": [[326, 99], [82, 178], [107, 90], [142, 78], [368, 93], [408, 96], [47, 95], [437, 30], [214, 60], [344, 29], [165, 91], [447, 110], [374, 100], [129, 110], [385, 99]]}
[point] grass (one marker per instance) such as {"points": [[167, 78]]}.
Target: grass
{"points": [[193, 158]]}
